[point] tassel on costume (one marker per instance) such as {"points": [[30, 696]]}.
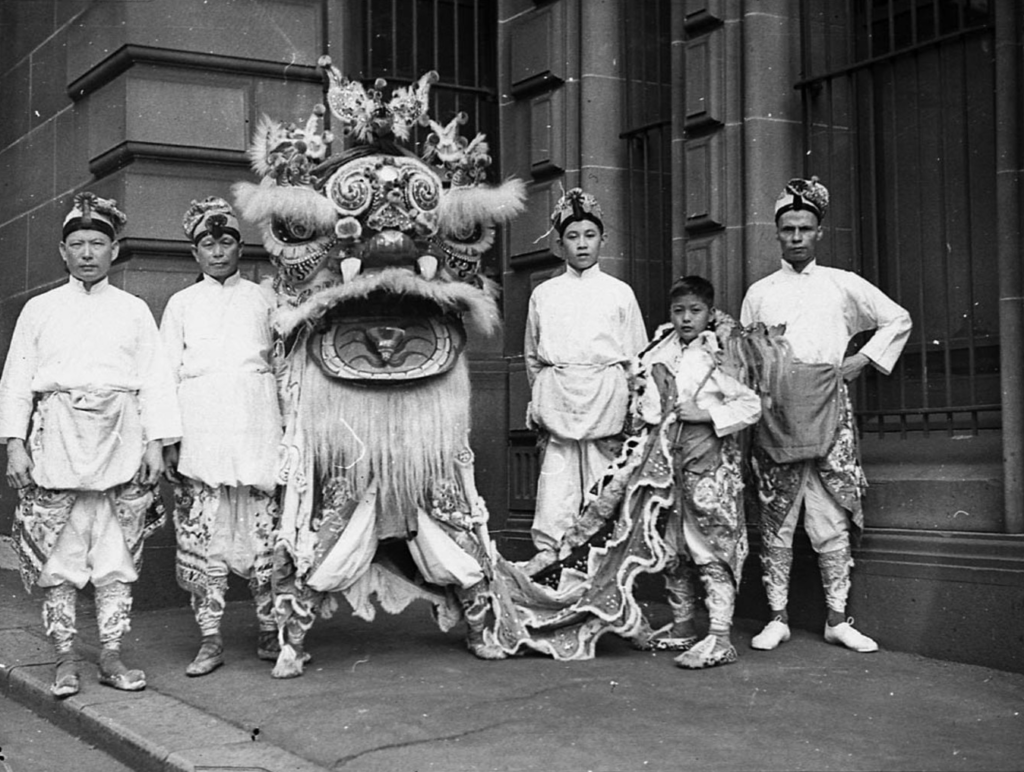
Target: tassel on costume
{"points": [[294, 618]]}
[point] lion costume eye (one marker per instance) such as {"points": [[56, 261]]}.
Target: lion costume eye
{"points": [[292, 231], [471, 235], [298, 248], [292, 240]]}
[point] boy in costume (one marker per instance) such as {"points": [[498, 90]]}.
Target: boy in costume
{"points": [[583, 330], [698, 409], [218, 340], [806, 453], [86, 403]]}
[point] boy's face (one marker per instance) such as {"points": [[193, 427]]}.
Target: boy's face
{"points": [[581, 244], [798, 232], [690, 316], [88, 254], [218, 258]]}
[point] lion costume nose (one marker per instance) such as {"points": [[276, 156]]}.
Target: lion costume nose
{"points": [[386, 341]]}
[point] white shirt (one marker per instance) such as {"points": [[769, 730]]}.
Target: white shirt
{"points": [[732, 405], [582, 332], [103, 338], [823, 308], [219, 341]]}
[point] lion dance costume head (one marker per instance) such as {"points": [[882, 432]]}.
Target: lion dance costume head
{"points": [[378, 256]]}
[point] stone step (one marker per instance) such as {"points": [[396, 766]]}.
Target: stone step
{"points": [[934, 483]]}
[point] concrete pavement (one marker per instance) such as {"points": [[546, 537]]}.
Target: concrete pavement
{"points": [[397, 694]]}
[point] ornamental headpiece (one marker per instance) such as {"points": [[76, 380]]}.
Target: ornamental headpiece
{"points": [[461, 161], [90, 212], [287, 153], [363, 112], [808, 195], [469, 208], [213, 216], [575, 205]]}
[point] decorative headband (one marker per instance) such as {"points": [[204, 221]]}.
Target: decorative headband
{"points": [[808, 195], [212, 216], [575, 205], [90, 212]]}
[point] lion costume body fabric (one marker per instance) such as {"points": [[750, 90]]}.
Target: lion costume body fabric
{"points": [[377, 254]]}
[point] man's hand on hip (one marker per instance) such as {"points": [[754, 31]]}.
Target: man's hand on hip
{"points": [[852, 366]]}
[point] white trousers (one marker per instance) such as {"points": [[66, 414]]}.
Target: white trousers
{"points": [[826, 523], [231, 543], [567, 471], [90, 547]]}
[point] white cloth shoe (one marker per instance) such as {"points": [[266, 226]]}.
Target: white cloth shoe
{"points": [[774, 633], [844, 634]]}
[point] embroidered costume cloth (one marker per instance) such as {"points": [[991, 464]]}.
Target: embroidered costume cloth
{"points": [[823, 308], [582, 332], [87, 383]]}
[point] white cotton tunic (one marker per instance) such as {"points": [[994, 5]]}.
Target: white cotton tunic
{"points": [[823, 308], [218, 339], [582, 332], [731, 405], [97, 354]]}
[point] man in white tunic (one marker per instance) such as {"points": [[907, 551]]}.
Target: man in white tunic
{"points": [[218, 339], [86, 402], [806, 451], [583, 330]]}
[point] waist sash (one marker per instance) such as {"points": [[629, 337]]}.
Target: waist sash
{"points": [[695, 447], [581, 402], [802, 422], [86, 439]]}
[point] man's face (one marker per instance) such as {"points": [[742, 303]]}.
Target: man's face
{"points": [[218, 258], [581, 244], [690, 316], [798, 232], [88, 254]]}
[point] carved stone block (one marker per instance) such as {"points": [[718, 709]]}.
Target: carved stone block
{"points": [[704, 83], [537, 55], [704, 188], [547, 146]]}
